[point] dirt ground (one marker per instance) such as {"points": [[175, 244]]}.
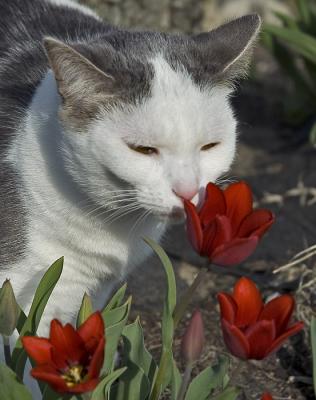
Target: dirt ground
{"points": [[282, 174]]}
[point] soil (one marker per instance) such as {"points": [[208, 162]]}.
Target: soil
{"points": [[282, 174]]}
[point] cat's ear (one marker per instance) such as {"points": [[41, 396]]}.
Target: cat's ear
{"points": [[78, 79], [228, 48]]}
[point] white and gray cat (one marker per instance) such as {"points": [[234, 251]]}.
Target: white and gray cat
{"points": [[103, 132]]}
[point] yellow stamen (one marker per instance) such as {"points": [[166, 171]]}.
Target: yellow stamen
{"points": [[74, 375]]}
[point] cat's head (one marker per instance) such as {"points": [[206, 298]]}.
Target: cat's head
{"points": [[147, 115]]}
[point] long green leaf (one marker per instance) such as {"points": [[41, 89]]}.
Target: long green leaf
{"points": [[211, 378], [42, 294], [102, 390], [116, 300], [85, 310], [304, 12], [164, 374], [230, 393], [302, 43], [115, 320], [175, 381], [10, 387], [171, 296], [313, 340], [288, 21], [136, 382]]}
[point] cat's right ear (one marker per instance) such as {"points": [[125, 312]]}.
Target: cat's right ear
{"points": [[77, 78]]}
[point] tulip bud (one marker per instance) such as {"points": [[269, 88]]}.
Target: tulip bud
{"points": [[9, 310], [193, 339]]}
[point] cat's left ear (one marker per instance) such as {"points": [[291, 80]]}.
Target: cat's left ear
{"points": [[228, 48]]}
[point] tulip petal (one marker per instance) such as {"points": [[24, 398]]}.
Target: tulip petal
{"points": [[97, 360], [256, 223], [248, 300], [238, 198], [223, 231], [209, 234], [48, 374], [234, 252], [39, 349], [194, 228], [280, 310], [235, 340], [260, 336], [66, 341], [92, 331], [214, 204], [298, 326], [86, 386], [228, 306]]}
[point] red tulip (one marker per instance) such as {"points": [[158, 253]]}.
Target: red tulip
{"points": [[193, 339], [226, 229], [266, 396], [251, 329], [69, 360]]}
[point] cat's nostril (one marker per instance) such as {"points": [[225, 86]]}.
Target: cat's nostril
{"points": [[186, 194]]}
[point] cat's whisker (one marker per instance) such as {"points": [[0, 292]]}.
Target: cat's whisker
{"points": [[106, 207], [121, 215], [139, 221]]}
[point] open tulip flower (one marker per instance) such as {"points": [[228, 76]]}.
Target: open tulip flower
{"points": [[226, 229], [70, 360], [252, 329]]}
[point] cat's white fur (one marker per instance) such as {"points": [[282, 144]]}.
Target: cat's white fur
{"points": [[178, 119], [73, 4]]}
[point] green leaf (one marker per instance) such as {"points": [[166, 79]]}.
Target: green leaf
{"points": [[136, 382], [85, 310], [116, 300], [134, 344], [175, 381], [301, 42], [50, 394], [288, 21], [313, 340], [211, 378], [11, 387], [230, 393], [171, 296], [304, 12], [103, 388], [164, 373], [42, 294], [115, 320]]}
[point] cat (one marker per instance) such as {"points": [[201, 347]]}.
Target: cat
{"points": [[103, 133]]}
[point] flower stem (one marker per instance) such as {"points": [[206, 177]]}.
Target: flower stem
{"points": [[163, 365], [7, 350], [185, 381], [187, 296]]}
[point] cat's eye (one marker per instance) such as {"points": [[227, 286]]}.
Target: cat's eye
{"points": [[209, 146], [147, 150]]}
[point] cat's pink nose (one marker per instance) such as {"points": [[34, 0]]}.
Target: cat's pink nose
{"points": [[186, 194]]}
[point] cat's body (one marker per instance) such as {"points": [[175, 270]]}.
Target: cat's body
{"points": [[73, 155]]}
